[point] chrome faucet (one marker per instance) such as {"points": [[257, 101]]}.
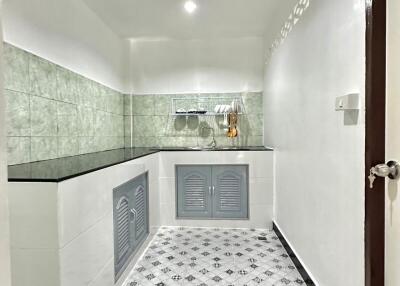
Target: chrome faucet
{"points": [[213, 143]]}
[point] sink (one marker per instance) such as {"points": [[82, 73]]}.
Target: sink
{"points": [[201, 148]]}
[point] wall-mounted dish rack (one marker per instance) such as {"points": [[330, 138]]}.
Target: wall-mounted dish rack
{"points": [[204, 106]]}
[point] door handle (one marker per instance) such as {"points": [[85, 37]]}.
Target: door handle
{"points": [[133, 213], [209, 190], [213, 190], [390, 170]]}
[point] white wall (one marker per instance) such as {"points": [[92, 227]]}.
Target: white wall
{"points": [[319, 152], [69, 34], [5, 274], [190, 66]]}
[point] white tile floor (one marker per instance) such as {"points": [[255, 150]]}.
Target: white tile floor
{"points": [[210, 256]]}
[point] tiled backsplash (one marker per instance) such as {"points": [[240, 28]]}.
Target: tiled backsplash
{"points": [[53, 112], [148, 122]]}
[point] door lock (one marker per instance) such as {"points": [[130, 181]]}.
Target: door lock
{"points": [[390, 170]]}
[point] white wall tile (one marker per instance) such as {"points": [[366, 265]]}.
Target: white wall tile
{"points": [[84, 258], [167, 190], [106, 275], [33, 215], [35, 267], [84, 200], [260, 162], [261, 191]]}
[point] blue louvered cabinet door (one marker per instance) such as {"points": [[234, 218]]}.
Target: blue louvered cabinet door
{"points": [[140, 210], [131, 222], [230, 192], [124, 229], [193, 192]]}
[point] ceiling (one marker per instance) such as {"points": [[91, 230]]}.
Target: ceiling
{"points": [[159, 19]]}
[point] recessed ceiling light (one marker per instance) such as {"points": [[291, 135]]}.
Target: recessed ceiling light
{"points": [[190, 6]]}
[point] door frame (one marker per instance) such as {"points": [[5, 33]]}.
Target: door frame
{"points": [[375, 105]]}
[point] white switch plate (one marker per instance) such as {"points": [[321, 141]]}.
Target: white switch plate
{"points": [[348, 102]]}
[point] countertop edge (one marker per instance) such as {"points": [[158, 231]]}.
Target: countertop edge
{"points": [[150, 152]]}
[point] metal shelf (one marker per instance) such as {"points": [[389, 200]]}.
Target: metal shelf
{"points": [[203, 103], [198, 114]]}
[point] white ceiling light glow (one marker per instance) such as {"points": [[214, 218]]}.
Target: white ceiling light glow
{"points": [[190, 6]]}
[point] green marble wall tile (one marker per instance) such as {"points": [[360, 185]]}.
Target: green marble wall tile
{"points": [[117, 125], [43, 77], [17, 113], [86, 92], [252, 124], [86, 144], [160, 126], [253, 102], [19, 150], [120, 142], [99, 96], [255, 141], [86, 118], [44, 148], [187, 130], [144, 126], [57, 107], [114, 102], [68, 146], [186, 102], [162, 104], [67, 118], [178, 141], [128, 125], [89, 116], [16, 69], [250, 140], [128, 104], [129, 142], [67, 86], [43, 116], [143, 105], [113, 142], [99, 144], [150, 141], [101, 122]]}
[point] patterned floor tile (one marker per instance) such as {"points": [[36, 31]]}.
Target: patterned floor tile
{"points": [[214, 256]]}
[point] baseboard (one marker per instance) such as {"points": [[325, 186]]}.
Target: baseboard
{"points": [[303, 272]]}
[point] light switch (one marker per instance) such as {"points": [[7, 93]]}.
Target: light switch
{"points": [[348, 102]]}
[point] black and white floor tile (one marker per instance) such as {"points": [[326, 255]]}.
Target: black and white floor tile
{"points": [[214, 256]]}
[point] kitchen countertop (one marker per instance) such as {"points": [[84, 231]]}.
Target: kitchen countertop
{"points": [[61, 169]]}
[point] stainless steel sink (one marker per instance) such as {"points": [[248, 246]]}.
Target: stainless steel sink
{"points": [[201, 148], [198, 148]]}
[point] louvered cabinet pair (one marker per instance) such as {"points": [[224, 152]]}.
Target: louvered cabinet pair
{"points": [[212, 191], [131, 224]]}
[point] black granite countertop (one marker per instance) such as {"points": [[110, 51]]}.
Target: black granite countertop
{"points": [[58, 170]]}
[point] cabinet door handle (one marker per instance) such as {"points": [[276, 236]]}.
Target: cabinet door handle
{"points": [[133, 213], [209, 190], [213, 190]]}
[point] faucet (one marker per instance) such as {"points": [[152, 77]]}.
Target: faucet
{"points": [[213, 143]]}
